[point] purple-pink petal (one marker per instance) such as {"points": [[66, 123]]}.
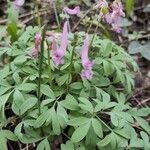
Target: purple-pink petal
{"points": [[74, 11], [19, 3], [87, 72], [38, 39], [58, 53]]}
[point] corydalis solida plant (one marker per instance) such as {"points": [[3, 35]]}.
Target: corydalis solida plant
{"points": [[84, 99], [111, 14]]}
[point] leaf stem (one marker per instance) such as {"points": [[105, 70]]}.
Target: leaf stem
{"points": [[40, 69], [49, 65], [71, 63], [95, 32], [37, 11], [104, 123]]}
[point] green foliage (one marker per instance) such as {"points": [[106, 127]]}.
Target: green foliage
{"points": [[91, 114]]}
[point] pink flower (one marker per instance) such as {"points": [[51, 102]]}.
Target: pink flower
{"points": [[37, 42], [18, 4], [58, 53], [111, 14], [74, 11], [38, 39], [87, 72]]}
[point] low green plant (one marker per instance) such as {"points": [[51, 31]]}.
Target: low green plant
{"points": [[44, 101]]}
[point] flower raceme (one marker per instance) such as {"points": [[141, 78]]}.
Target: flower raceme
{"points": [[74, 11], [87, 72], [111, 14], [37, 42], [58, 53]]}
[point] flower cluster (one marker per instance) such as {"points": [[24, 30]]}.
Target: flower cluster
{"points": [[58, 53], [111, 14], [37, 42]]}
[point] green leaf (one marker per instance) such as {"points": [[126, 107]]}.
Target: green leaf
{"points": [[19, 60], [28, 104], [45, 89], [62, 116], [81, 132], [55, 122], [143, 124], [18, 100], [12, 30], [76, 85], [108, 49], [4, 135], [129, 4], [43, 145], [113, 141], [68, 146], [70, 103], [97, 127], [105, 141], [26, 138], [78, 121], [87, 105], [27, 87], [42, 118]]}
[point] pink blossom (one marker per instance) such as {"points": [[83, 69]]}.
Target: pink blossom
{"points": [[37, 42], [38, 39], [111, 14], [58, 53], [87, 72], [18, 4], [74, 11]]}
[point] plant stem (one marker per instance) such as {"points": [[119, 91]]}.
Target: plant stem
{"points": [[56, 15], [49, 66], [71, 63], [88, 30], [40, 69], [37, 11], [95, 32], [104, 123]]}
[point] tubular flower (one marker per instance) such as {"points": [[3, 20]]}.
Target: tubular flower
{"points": [[38, 39], [18, 3], [116, 14], [37, 42], [58, 53], [74, 11], [87, 72]]}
